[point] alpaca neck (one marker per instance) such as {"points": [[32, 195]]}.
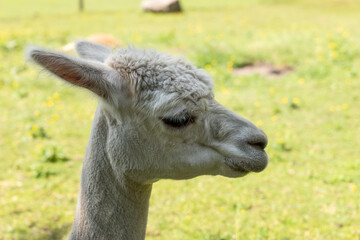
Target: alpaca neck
{"points": [[110, 205]]}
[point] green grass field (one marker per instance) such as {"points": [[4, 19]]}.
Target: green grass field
{"points": [[310, 189]]}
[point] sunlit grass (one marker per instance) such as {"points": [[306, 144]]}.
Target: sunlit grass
{"points": [[310, 189]]}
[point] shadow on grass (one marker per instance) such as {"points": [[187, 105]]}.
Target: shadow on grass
{"points": [[48, 233]]}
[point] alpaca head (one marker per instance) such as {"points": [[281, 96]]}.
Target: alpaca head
{"points": [[162, 114]]}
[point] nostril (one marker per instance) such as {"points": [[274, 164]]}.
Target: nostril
{"points": [[259, 142], [261, 145]]}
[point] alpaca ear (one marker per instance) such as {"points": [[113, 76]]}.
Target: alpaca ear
{"points": [[91, 50], [95, 76]]}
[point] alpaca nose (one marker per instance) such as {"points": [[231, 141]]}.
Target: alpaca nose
{"points": [[258, 140]]}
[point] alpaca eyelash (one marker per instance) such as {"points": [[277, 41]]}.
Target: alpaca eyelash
{"points": [[179, 121]]}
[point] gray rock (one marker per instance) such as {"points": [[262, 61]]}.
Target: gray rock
{"points": [[164, 6]]}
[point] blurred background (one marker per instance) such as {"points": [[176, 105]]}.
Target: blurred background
{"points": [[290, 66]]}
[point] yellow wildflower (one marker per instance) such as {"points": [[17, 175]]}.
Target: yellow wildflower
{"points": [[187, 218], [354, 188], [301, 80], [190, 28], [220, 36], [224, 90], [244, 20], [345, 106], [320, 58], [199, 27], [274, 118], [15, 84], [272, 90], [262, 34], [256, 104], [295, 100], [334, 54], [54, 118], [36, 112], [59, 107], [347, 81], [332, 45], [50, 103], [137, 38], [242, 210], [230, 66], [259, 123], [208, 67], [285, 100], [56, 97], [332, 108], [340, 28], [214, 62], [34, 128]]}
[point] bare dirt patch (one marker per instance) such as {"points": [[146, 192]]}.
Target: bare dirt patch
{"points": [[267, 70]]}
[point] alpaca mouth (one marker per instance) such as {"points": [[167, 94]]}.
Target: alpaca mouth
{"points": [[235, 166], [256, 164]]}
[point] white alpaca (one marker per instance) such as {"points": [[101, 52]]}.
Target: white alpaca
{"points": [[156, 119]]}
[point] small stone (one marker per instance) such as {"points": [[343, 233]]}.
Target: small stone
{"points": [[164, 6]]}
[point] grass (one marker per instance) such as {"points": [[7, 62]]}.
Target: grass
{"points": [[310, 189]]}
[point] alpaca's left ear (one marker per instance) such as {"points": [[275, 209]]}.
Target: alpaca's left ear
{"points": [[91, 50], [95, 76]]}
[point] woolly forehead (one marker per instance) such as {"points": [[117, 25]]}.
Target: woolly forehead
{"points": [[161, 82]]}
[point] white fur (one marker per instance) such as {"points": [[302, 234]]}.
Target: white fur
{"points": [[131, 147]]}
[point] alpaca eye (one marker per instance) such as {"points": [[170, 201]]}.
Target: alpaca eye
{"points": [[179, 121]]}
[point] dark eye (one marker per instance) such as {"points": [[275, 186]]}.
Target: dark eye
{"points": [[179, 121]]}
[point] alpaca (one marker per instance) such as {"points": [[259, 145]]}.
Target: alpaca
{"points": [[156, 119]]}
